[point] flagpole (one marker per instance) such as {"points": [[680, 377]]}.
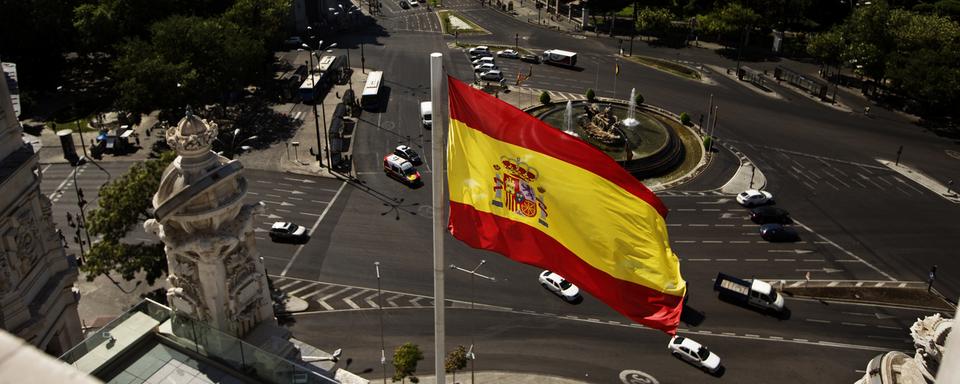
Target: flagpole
{"points": [[437, 100]]}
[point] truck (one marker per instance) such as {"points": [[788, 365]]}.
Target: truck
{"points": [[560, 57], [752, 292]]}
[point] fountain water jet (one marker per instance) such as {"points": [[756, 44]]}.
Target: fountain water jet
{"points": [[568, 120], [630, 121]]}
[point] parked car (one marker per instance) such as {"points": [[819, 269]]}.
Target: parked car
{"points": [[509, 53], [530, 58], [479, 48], [404, 4], [778, 233], [293, 42], [492, 75], [283, 230], [484, 67], [754, 197], [408, 153], [768, 214], [559, 286], [479, 54], [484, 59], [694, 353]]}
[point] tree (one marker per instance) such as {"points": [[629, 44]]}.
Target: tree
{"points": [[922, 65], [638, 98], [653, 20], [544, 97], [732, 17], [188, 60], [405, 359], [456, 360], [125, 203], [590, 95], [261, 18]]}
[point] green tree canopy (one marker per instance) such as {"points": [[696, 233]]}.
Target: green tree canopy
{"points": [[405, 359], [456, 360], [653, 20], [125, 203], [731, 18], [188, 60]]}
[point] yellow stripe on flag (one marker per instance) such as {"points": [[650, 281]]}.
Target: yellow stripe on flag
{"points": [[585, 212]]}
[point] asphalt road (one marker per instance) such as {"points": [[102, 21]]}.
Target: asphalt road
{"points": [[860, 221]]}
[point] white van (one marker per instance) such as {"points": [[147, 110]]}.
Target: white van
{"points": [[426, 114]]}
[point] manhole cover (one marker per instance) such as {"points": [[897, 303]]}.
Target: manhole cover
{"points": [[953, 154], [637, 377]]}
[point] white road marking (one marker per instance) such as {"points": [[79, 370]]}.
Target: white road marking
{"points": [[818, 321], [844, 250], [314, 228]]}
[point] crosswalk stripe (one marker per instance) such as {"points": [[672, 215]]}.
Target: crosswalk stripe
{"points": [[284, 287]]}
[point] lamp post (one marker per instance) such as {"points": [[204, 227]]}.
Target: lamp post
{"points": [[232, 150], [383, 356], [473, 273], [73, 108]]}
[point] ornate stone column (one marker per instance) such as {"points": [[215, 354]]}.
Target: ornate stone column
{"points": [[215, 272]]}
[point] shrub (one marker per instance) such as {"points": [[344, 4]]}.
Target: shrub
{"points": [[590, 95], [544, 97], [684, 118], [707, 143], [638, 99]]}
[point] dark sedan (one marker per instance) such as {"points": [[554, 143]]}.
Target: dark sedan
{"points": [[768, 214], [530, 58], [778, 233]]}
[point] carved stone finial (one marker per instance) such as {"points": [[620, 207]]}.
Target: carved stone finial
{"points": [[192, 136]]}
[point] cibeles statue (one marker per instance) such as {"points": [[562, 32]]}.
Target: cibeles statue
{"points": [[215, 272]]}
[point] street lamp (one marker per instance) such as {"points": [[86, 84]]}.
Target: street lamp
{"points": [[73, 108], [473, 273], [383, 356]]}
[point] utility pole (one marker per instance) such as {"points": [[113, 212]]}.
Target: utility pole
{"points": [[473, 293]]}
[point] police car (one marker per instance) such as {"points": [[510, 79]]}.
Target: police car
{"points": [[398, 167], [408, 153]]}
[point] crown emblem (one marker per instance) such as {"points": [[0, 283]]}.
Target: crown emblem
{"points": [[519, 169]]}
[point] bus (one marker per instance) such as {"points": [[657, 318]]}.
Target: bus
{"points": [[371, 90], [310, 88]]}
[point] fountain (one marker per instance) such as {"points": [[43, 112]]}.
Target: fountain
{"points": [[568, 120], [631, 121]]}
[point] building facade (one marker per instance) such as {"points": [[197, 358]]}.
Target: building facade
{"points": [[37, 302]]}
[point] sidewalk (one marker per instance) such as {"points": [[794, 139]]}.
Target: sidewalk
{"points": [[526, 11], [490, 377]]}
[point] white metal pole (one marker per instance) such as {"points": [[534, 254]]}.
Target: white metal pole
{"points": [[437, 146], [709, 116]]}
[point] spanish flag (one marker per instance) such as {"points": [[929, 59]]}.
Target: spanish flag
{"points": [[532, 193]]}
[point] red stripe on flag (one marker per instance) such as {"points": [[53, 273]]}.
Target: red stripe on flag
{"points": [[500, 120], [528, 245]]}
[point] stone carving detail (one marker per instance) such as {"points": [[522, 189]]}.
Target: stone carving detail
{"points": [[192, 134], [7, 281], [929, 338], [26, 240]]}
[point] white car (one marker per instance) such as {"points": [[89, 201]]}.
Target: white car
{"points": [[479, 48], [694, 353], [484, 67], [283, 230], [492, 75], [481, 60], [754, 197], [558, 285], [509, 53]]}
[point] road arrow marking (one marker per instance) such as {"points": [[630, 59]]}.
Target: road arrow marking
{"points": [[306, 181], [258, 229], [323, 301], [272, 216], [295, 192], [718, 201], [392, 298], [349, 300], [282, 203], [825, 270], [797, 251], [369, 300]]}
